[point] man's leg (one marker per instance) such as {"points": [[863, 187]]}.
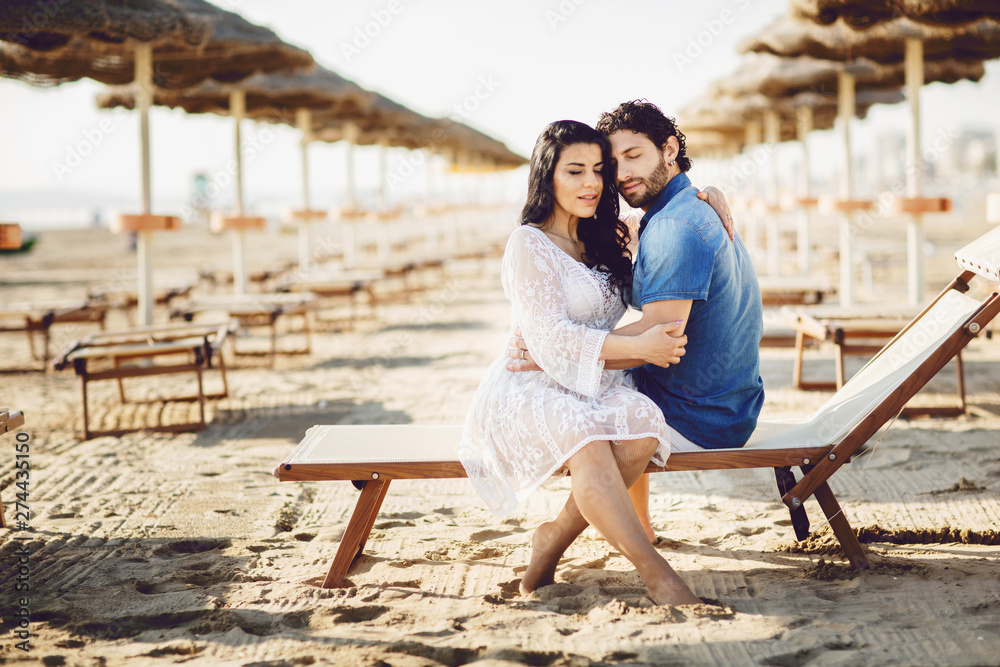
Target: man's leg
{"points": [[639, 493]]}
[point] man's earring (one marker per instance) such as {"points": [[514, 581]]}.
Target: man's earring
{"points": [[671, 163]]}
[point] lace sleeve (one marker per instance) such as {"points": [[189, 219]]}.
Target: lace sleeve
{"points": [[567, 351]]}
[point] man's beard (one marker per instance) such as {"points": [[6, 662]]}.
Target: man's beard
{"points": [[654, 183]]}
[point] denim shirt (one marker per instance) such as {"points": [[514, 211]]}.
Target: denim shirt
{"points": [[714, 395]]}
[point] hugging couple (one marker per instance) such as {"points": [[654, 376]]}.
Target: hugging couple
{"points": [[572, 391]]}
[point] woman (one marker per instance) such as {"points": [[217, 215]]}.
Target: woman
{"points": [[567, 272]]}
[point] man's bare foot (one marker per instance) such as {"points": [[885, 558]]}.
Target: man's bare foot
{"points": [[545, 555]]}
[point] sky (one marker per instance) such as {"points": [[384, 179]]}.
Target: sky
{"points": [[507, 68]]}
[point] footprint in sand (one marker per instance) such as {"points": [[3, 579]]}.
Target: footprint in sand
{"points": [[489, 534]]}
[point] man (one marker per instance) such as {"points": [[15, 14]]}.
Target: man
{"points": [[687, 270]]}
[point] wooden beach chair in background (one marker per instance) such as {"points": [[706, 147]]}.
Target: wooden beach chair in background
{"points": [[9, 420], [200, 345], [860, 331], [333, 288], [38, 318], [258, 310], [792, 291], [373, 456]]}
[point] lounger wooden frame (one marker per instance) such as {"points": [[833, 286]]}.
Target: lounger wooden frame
{"points": [[817, 464], [259, 310], [202, 344], [9, 420], [861, 337], [39, 320]]}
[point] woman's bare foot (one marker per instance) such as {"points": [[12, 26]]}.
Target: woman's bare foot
{"points": [[671, 589], [594, 534], [545, 555]]}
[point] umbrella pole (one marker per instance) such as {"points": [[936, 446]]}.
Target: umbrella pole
{"points": [[303, 120], [845, 112], [237, 107], [349, 238], [772, 131], [144, 244], [803, 126], [914, 71], [752, 132], [382, 229]]}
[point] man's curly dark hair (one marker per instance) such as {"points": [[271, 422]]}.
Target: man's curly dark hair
{"points": [[645, 117]]}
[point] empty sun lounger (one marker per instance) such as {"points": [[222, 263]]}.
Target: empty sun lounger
{"points": [[337, 287], [792, 291], [132, 353], [860, 331], [257, 310], [818, 445], [38, 318], [9, 420]]}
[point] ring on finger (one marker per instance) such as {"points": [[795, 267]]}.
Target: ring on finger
{"points": [[522, 355]]}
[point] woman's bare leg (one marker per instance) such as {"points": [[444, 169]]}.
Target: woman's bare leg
{"points": [[600, 497]]}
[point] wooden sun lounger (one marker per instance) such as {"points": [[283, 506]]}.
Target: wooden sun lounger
{"points": [[9, 420], [128, 300], [258, 310], [860, 331], [332, 287], [201, 344], [794, 291], [372, 456], [38, 318]]}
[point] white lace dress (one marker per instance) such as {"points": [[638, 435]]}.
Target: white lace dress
{"points": [[523, 426]]}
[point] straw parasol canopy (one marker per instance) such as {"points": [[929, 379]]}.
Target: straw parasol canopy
{"points": [[778, 77], [728, 114], [274, 97], [191, 39], [866, 13], [900, 40], [167, 43], [791, 36]]}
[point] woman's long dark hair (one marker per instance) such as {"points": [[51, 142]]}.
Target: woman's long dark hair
{"points": [[605, 237]]}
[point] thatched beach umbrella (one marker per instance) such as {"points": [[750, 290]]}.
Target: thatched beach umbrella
{"points": [[805, 89], [896, 41], [115, 43], [288, 97], [866, 13]]}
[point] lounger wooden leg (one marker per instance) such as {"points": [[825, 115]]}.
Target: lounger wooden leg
{"points": [[800, 344], [840, 365], [86, 416], [960, 372], [121, 385], [201, 398], [841, 527], [3, 521], [222, 372], [358, 528]]}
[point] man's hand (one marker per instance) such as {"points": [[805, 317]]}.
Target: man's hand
{"points": [[518, 357], [717, 201]]}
